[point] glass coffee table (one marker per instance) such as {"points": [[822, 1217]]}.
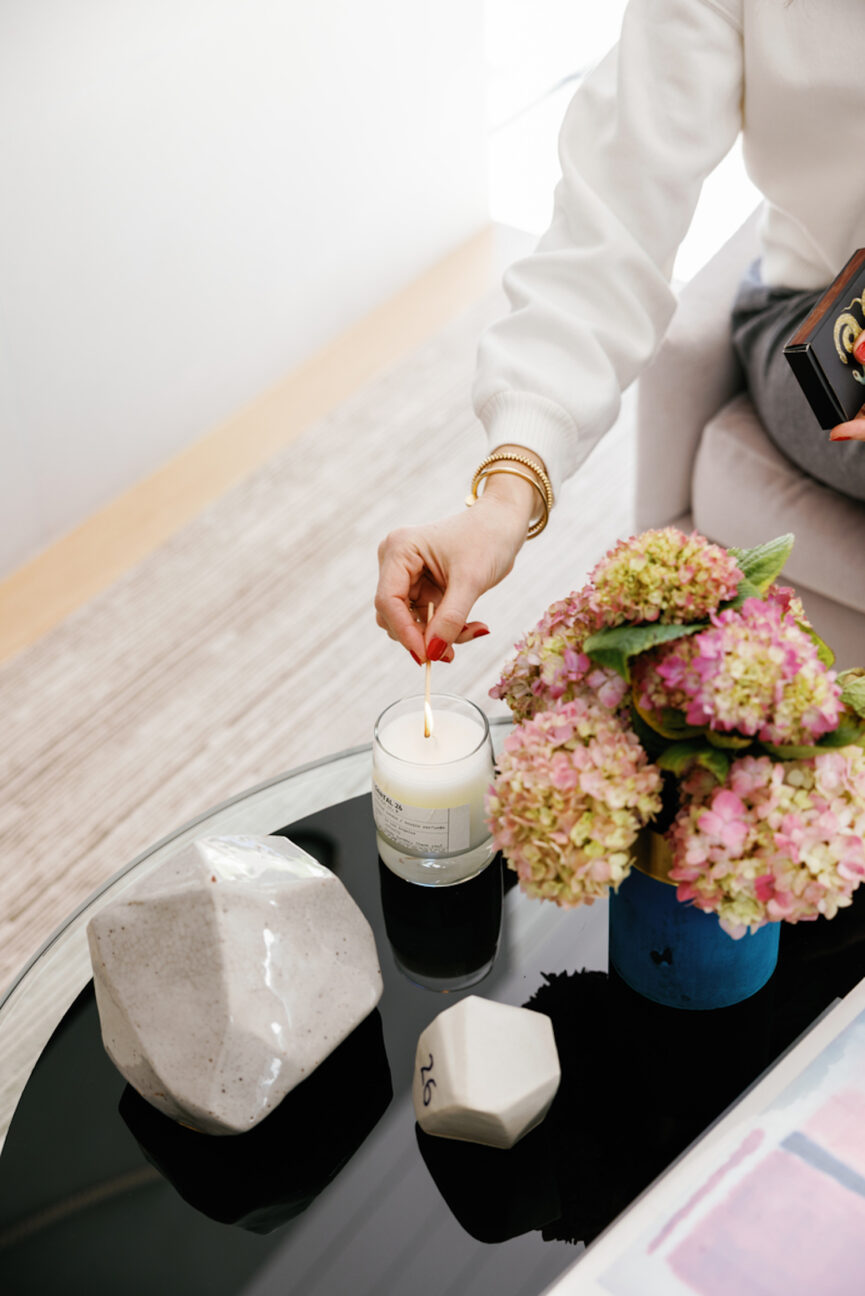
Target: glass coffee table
{"points": [[338, 1191]]}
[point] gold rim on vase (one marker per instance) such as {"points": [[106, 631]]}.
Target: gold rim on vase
{"points": [[652, 855]]}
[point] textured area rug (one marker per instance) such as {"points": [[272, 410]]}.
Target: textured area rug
{"points": [[247, 645]]}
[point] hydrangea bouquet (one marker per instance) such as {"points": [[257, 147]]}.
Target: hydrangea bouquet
{"points": [[682, 687]]}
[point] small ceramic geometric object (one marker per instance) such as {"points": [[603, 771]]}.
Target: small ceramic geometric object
{"points": [[227, 975], [485, 1072]]}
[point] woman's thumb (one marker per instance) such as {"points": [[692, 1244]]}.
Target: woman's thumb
{"points": [[450, 616]]}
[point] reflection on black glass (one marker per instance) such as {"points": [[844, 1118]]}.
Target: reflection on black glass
{"points": [[495, 1194], [443, 937], [267, 1176], [639, 1083]]}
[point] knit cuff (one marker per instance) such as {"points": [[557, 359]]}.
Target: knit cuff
{"points": [[518, 418]]}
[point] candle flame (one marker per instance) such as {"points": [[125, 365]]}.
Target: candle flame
{"points": [[427, 720]]}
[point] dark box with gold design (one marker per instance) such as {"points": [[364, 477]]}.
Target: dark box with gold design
{"points": [[820, 352]]}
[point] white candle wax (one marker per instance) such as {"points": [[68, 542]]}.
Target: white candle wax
{"points": [[453, 737], [429, 792]]}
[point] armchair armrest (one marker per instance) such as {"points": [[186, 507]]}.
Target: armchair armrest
{"points": [[692, 375]]}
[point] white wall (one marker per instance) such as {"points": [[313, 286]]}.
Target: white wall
{"points": [[195, 195]]}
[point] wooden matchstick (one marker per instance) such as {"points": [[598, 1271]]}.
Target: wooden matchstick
{"points": [[431, 608]]}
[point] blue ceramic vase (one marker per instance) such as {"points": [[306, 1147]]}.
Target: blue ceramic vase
{"points": [[674, 953]]}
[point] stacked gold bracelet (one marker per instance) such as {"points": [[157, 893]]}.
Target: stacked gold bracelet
{"points": [[505, 462]]}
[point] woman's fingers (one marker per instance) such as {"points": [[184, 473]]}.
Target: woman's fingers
{"points": [[452, 614], [401, 570], [473, 630], [852, 430], [449, 564]]}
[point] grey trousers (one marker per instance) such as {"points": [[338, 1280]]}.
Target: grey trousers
{"points": [[763, 319]]}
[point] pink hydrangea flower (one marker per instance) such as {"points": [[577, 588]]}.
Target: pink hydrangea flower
{"points": [[780, 840], [725, 821], [788, 601], [664, 576], [573, 790], [550, 666], [753, 671]]}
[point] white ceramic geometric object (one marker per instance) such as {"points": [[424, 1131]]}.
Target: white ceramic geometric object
{"points": [[485, 1072], [227, 975]]}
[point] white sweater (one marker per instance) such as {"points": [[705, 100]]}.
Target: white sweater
{"points": [[643, 131]]}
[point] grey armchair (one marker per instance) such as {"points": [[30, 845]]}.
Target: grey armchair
{"points": [[704, 460]]}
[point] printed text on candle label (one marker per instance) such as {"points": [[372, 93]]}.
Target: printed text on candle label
{"points": [[441, 831]]}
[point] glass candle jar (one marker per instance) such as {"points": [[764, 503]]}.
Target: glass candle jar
{"points": [[428, 793]]}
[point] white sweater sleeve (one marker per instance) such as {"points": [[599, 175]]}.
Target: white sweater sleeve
{"points": [[591, 304]]}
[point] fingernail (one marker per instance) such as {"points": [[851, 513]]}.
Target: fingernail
{"points": [[479, 634], [435, 648], [840, 438], [417, 659]]}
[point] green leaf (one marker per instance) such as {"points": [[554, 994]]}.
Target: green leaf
{"points": [[681, 756], [824, 652], [789, 752], [853, 689], [744, 591], [850, 733], [669, 724], [716, 762], [614, 647], [764, 563], [674, 725], [651, 741], [728, 741]]}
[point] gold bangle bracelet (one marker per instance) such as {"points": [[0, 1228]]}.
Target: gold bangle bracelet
{"points": [[536, 527], [538, 479], [504, 456]]}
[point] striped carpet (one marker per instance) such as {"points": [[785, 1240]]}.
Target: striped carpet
{"points": [[247, 644]]}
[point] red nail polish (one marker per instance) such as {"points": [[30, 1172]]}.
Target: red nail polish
{"points": [[841, 438], [479, 634], [417, 659], [435, 648]]}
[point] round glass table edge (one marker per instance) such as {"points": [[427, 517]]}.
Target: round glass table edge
{"points": [[25, 1030], [101, 891]]}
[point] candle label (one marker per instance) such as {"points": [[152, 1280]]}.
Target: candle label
{"points": [[421, 830]]}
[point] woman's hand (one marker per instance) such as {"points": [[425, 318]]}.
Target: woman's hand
{"points": [[853, 430], [450, 564]]}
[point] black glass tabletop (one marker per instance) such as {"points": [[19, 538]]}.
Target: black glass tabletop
{"points": [[338, 1191]]}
